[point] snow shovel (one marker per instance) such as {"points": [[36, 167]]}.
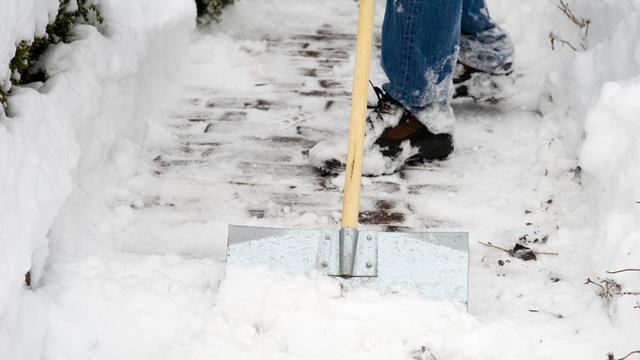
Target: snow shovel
{"points": [[435, 264]]}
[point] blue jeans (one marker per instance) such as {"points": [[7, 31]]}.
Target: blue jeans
{"points": [[420, 41]]}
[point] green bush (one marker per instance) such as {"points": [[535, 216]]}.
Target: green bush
{"points": [[211, 10], [27, 63], [3, 101]]}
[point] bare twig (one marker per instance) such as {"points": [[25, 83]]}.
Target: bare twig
{"points": [[553, 38], [546, 253], [510, 251], [582, 23], [621, 271], [589, 281], [493, 246], [610, 356], [610, 288]]}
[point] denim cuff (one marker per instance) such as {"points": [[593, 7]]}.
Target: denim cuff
{"points": [[436, 115], [490, 51]]}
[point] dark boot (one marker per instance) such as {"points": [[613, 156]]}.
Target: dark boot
{"points": [[393, 137]]}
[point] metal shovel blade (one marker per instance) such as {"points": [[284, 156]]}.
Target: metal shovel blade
{"points": [[435, 264]]}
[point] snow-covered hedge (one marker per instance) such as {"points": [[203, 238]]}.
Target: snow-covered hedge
{"points": [[20, 20], [70, 131], [26, 65], [211, 10]]}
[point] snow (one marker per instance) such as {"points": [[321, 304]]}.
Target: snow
{"points": [[374, 162], [69, 134], [126, 246], [595, 91]]}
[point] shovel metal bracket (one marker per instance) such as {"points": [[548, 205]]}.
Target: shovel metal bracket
{"points": [[364, 259]]}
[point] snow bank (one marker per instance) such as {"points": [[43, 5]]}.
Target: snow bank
{"points": [[593, 102], [72, 132]]}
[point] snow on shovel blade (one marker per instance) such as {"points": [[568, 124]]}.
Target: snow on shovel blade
{"points": [[434, 263]]}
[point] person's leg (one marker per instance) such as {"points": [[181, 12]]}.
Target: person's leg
{"points": [[419, 43], [484, 45], [475, 17], [412, 119]]}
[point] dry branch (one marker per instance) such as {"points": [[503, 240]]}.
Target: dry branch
{"points": [[582, 24], [553, 38], [610, 288], [621, 271], [493, 246], [511, 251], [610, 356]]}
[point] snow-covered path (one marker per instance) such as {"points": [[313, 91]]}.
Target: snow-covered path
{"points": [[138, 274]]}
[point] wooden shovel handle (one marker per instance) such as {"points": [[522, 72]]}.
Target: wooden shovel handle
{"points": [[353, 175]]}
